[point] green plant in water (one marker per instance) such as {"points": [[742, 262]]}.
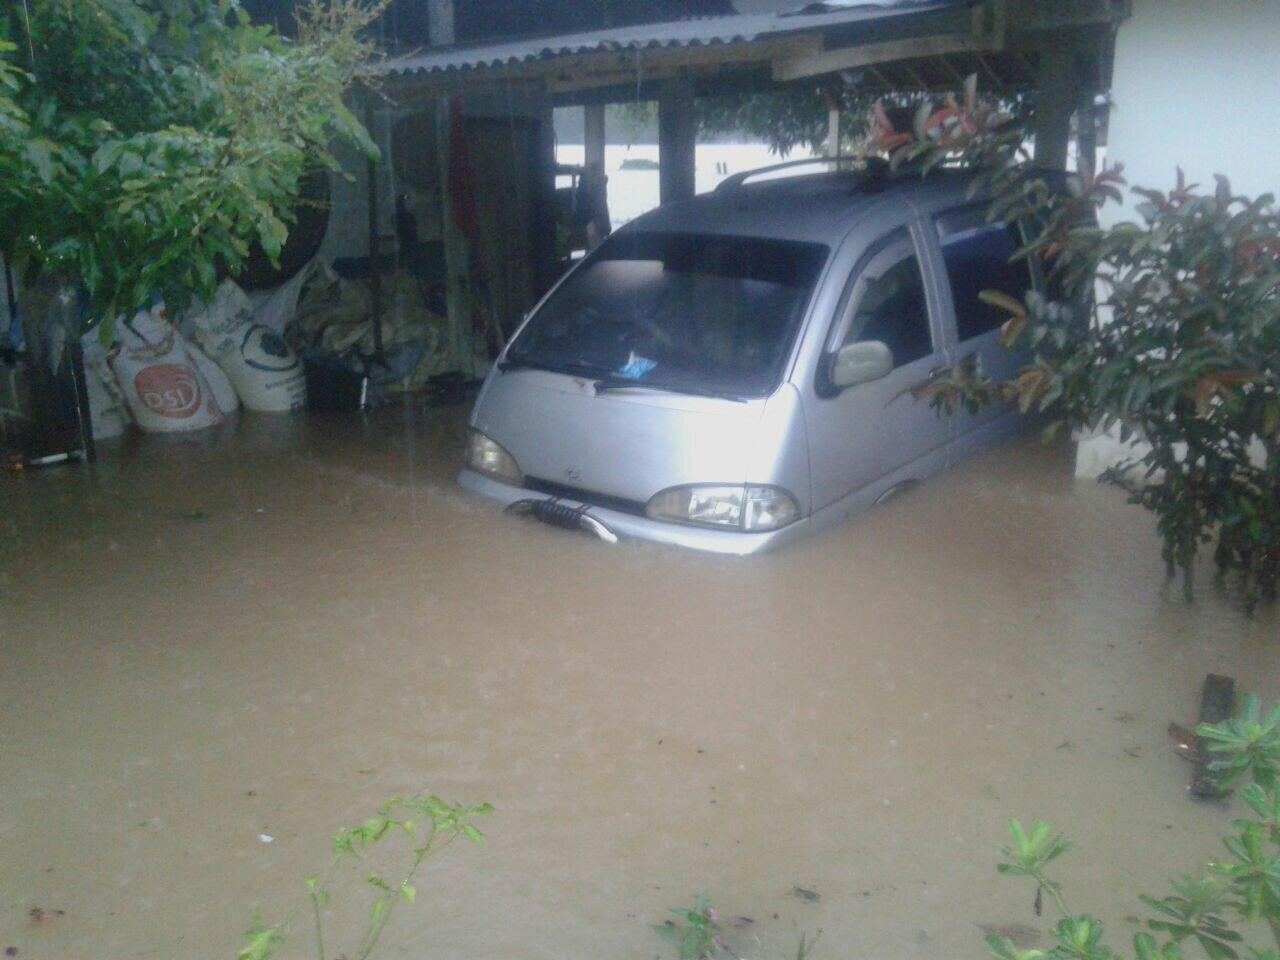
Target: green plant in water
{"points": [[700, 935], [427, 822], [1243, 888]]}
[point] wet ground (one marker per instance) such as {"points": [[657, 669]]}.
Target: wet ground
{"points": [[266, 632]]}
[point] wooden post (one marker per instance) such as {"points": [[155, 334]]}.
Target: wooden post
{"points": [[677, 140], [1087, 135], [375, 246], [440, 22], [457, 260], [593, 136], [833, 122], [593, 160], [1056, 96], [1217, 703], [543, 174]]}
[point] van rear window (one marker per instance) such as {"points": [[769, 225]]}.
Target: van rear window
{"points": [[672, 310]]}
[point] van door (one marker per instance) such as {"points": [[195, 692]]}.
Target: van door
{"points": [[869, 436], [975, 257]]}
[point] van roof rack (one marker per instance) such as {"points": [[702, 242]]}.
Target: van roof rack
{"points": [[868, 165]]}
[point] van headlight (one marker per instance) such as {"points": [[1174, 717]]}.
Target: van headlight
{"points": [[750, 507], [487, 456]]}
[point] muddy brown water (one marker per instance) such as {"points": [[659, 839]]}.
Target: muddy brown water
{"points": [[268, 630]]}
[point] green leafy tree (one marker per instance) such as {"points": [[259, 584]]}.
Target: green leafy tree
{"points": [[146, 146], [1165, 329]]}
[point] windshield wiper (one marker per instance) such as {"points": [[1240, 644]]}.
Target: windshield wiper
{"points": [[576, 368], [628, 383]]}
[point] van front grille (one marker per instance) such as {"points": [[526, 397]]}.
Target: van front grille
{"points": [[553, 489]]}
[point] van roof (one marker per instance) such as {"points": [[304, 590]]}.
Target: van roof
{"points": [[816, 208]]}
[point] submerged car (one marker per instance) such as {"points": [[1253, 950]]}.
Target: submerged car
{"points": [[733, 372]]}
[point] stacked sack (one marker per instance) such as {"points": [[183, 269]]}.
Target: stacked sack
{"points": [[168, 382], [263, 368]]}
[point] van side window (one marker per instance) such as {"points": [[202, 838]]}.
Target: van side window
{"points": [[976, 254], [886, 302]]}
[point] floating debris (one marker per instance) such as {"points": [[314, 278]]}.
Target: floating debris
{"points": [[1019, 934]]}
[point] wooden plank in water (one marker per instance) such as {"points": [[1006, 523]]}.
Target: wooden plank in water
{"points": [[1217, 703]]}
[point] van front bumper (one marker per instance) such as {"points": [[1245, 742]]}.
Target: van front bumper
{"points": [[629, 526]]}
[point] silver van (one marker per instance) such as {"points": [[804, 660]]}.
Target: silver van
{"points": [[731, 373]]}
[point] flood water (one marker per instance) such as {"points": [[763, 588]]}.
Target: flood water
{"points": [[265, 632]]}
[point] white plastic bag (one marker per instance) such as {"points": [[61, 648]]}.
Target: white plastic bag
{"points": [[161, 384], [275, 308], [264, 370], [218, 381]]}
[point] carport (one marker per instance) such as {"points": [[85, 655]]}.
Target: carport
{"points": [[477, 117]]}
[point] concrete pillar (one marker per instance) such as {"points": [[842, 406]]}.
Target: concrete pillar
{"points": [[1058, 85], [677, 138]]}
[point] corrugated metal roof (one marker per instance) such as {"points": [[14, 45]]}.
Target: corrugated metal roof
{"points": [[711, 31]]}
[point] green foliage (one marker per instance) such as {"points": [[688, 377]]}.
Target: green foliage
{"points": [[427, 823], [700, 935], [1030, 852], [789, 117], [147, 145], [1250, 745], [1244, 888], [1165, 329]]}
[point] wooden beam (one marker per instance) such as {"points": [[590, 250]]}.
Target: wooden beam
{"points": [[1037, 15], [865, 55], [584, 80]]}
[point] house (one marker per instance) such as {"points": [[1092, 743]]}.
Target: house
{"points": [[1194, 85]]}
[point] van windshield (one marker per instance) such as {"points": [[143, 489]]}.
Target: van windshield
{"points": [[677, 311]]}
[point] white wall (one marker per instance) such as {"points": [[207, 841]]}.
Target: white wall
{"points": [[1196, 85]]}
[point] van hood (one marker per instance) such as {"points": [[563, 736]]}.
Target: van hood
{"points": [[622, 443]]}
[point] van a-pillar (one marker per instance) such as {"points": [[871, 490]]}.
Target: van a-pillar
{"points": [[677, 136]]}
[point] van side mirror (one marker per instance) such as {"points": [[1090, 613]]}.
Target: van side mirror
{"points": [[860, 362]]}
